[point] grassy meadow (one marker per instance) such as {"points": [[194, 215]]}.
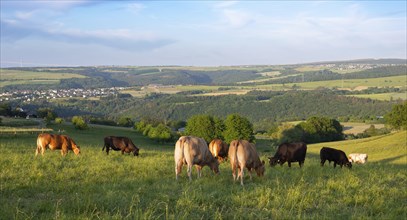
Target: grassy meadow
{"points": [[117, 186], [17, 77]]}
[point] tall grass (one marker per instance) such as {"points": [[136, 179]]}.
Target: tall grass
{"points": [[117, 186]]}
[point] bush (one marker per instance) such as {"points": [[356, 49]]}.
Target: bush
{"points": [[397, 118], [238, 128], [59, 120], [204, 126], [125, 122], [79, 123], [321, 129], [287, 133]]}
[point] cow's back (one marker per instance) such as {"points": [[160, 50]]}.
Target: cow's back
{"points": [[52, 141], [247, 154], [196, 150]]}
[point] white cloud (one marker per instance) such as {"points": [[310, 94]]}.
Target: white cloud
{"points": [[225, 4], [135, 7], [236, 18]]}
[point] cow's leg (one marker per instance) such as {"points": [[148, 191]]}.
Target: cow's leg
{"points": [[107, 150], [301, 163], [322, 162], [241, 176], [289, 163], [189, 172], [37, 151], [250, 173], [334, 164], [178, 169], [234, 173], [198, 169]]}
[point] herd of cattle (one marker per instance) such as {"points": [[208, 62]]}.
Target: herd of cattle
{"points": [[190, 151]]}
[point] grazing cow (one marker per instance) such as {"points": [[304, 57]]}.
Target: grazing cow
{"points": [[243, 154], [56, 141], [191, 151], [290, 152], [219, 149], [123, 144], [337, 156], [357, 158]]}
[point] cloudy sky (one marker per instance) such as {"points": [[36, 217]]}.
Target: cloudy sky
{"points": [[199, 33]]}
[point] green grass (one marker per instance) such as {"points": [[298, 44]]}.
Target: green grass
{"points": [[117, 186], [384, 96], [17, 77]]}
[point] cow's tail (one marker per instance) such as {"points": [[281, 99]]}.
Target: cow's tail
{"points": [[38, 146], [215, 151], [235, 144]]}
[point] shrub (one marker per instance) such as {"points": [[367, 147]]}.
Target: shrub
{"points": [[397, 118], [238, 128], [79, 123]]}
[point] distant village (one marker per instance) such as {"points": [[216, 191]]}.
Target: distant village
{"points": [[31, 95]]}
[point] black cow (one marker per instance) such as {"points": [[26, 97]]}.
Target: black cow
{"points": [[337, 156], [122, 144], [289, 152]]}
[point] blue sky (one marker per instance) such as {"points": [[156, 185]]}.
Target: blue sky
{"points": [[199, 33]]}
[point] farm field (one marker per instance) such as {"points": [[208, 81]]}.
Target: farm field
{"points": [[117, 186], [15, 77], [392, 81], [384, 96]]}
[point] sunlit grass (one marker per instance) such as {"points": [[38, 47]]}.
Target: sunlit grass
{"points": [[117, 186]]}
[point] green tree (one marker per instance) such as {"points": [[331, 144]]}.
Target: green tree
{"points": [[204, 126], [287, 133], [59, 120], [238, 128], [79, 123], [397, 117], [160, 133], [125, 122], [5, 109], [321, 129]]}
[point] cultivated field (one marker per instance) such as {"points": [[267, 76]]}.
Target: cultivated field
{"points": [[95, 185], [15, 77]]}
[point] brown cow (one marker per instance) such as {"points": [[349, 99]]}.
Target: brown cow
{"points": [[219, 149], [123, 144], [191, 151], [56, 141], [243, 154]]}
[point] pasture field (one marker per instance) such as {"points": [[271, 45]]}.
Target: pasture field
{"points": [[384, 96], [17, 77], [117, 186]]}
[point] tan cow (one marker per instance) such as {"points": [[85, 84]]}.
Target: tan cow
{"points": [[191, 151], [219, 149], [55, 141], [243, 154]]}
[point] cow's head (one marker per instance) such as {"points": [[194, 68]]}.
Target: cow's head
{"points": [[260, 169], [135, 151], [214, 165], [77, 150], [348, 164], [273, 161]]}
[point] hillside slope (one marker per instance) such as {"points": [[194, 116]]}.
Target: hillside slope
{"points": [[391, 148]]}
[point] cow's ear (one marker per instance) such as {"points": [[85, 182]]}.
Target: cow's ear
{"points": [[263, 162]]}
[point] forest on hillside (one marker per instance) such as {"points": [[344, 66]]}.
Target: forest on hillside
{"points": [[258, 106]]}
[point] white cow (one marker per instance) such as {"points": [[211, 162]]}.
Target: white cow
{"points": [[357, 158]]}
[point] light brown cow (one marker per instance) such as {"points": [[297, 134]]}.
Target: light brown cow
{"points": [[219, 149], [55, 141], [191, 151], [243, 154]]}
